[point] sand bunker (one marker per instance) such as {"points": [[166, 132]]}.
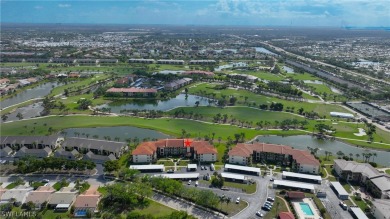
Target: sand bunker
{"points": [[362, 132]]}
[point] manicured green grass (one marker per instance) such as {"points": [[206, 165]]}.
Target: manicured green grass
{"points": [[168, 126], [35, 185], [321, 109], [232, 208], [321, 88], [166, 163], [388, 171], [239, 113], [279, 206], [182, 163], [260, 74], [305, 76], [50, 214], [156, 209], [360, 203], [57, 186], [346, 186], [81, 83], [11, 185], [251, 188]]}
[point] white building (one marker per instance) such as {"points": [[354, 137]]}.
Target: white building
{"points": [[381, 209], [342, 115]]}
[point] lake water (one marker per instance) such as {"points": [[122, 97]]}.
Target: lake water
{"points": [[335, 90], [264, 50], [171, 72], [303, 141], [231, 65], [36, 92], [164, 105], [123, 132], [288, 69]]}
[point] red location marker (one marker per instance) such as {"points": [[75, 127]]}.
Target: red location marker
{"points": [[187, 142]]}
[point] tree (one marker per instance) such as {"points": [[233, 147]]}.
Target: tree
{"points": [[20, 116], [111, 166], [83, 104], [340, 154], [300, 111], [4, 117], [197, 103]]}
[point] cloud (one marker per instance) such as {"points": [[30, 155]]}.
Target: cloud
{"points": [[64, 5]]}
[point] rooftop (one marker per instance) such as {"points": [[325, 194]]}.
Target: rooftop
{"points": [[244, 168], [293, 184]]}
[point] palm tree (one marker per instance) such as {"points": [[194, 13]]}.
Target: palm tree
{"points": [[374, 155], [357, 156], [350, 156]]}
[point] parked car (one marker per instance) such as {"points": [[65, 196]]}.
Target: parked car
{"points": [[272, 179], [266, 208], [45, 181], [238, 200], [270, 199], [269, 203], [259, 214], [201, 167], [189, 182], [196, 183], [343, 205], [170, 171], [225, 188]]}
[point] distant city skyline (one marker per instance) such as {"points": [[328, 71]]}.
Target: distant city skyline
{"points": [[310, 13]]}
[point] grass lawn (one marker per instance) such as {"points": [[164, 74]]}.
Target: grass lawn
{"points": [[232, 208], [260, 74], [251, 188], [50, 214], [82, 83], [35, 185], [388, 171], [305, 76], [360, 203], [321, 109], [278, 207], [12, 185], [156, 209], [166, 163], [346, 186], [57, 186], [321, 88], [183, 163]]}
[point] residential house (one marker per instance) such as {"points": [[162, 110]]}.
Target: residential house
{"points": [[170, 62], [148, 152], [377, 183], [202, 62], [40, 196], [381, 209], [146, 61], [63, 199], [68, 155], [174, 85], [198, 73], [63, 60], [86, 61], [17, 194], [98, 147], [134, 92], [107, 61], [98, 158], [6, 151], [300, 161], [4, 81], [87, 201], [31, 142], [39, 153]]}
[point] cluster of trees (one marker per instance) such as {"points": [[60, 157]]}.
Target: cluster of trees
{"points": [[172, 187], [173, 215], [370, 131], [83, 104], [284, 88], [32, 164], [217, 180]]}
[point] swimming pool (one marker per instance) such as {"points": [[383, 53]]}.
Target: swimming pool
{"points": [[306, 209], [80, 213]]}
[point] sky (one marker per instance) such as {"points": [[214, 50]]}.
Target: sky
{"points": [[333, 13]]}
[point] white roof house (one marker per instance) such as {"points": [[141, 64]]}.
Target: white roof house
{"points": [[179, 175], [192, 166], [234, 176], [286, 174], [342, 115], [242, 168], [292, 184], [340, 189], [359, 214], [148, 167]]}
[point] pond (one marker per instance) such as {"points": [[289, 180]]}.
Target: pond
{"points": [[122, 132], [264, 50], [288, 69], [303, 141], [164, 105], [27, 112], [231, 65], [36, 92], [171, 72]]}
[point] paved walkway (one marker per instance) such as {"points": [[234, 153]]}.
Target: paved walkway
{"points": [[285, 202]]}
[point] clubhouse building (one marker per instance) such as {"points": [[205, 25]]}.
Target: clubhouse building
{"points": [[148, 152], [300, 161]]}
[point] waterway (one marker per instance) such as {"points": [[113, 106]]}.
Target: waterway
{"points": [[36, 92], [122, 132], [304, 141], [164, 105], [231, 65], [288, 69], [264, 50]]}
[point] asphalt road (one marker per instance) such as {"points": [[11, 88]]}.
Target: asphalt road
{"points": [[331, 203]]}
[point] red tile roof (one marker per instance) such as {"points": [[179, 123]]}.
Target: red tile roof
{"points": [[207, 73], [286, 215], [203, 147], [89, 199], [131, 90], [296, 195]]}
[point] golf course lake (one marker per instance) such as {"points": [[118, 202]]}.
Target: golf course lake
{"points": [[36, 92], [304, 141], [122, 132], [163, 105]]}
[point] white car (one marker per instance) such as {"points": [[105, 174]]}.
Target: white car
{"points": [[270, 199], [196, 183], [189, 182], [238, 200], [259, 214]]}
